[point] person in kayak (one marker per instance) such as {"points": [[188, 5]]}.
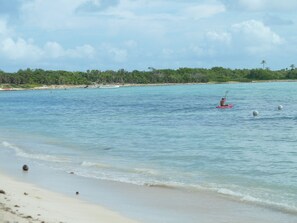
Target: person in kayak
{"points": [[222, 102]]}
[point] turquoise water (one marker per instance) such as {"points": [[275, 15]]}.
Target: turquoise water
{"points": [[163, 135]]}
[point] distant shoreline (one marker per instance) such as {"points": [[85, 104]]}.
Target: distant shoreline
{"points": [[114, 85]]}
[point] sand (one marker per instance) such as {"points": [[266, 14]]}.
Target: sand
{"points": [[23, 203]]}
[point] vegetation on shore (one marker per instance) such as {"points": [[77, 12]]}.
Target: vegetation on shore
{"points": [[35, 77]]}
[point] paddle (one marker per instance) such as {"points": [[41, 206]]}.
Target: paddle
{"points": [[226, 94], [226, 97]]}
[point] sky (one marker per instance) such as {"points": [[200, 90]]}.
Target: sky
{"points": [[81, 35]]}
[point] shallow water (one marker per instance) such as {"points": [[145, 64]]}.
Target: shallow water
{"points": [[171, 136]]}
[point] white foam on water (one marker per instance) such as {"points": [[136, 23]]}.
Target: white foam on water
{"points": [[257, 200], [141, 171], [92, 164], [43, 157]]}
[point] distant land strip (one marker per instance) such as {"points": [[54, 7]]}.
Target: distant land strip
{"points": [[42, 79]]}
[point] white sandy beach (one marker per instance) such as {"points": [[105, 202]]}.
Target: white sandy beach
{"points": [[27, 203], [24, 203]]}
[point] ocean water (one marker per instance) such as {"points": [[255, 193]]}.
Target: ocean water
{"points": [[169, 136]]}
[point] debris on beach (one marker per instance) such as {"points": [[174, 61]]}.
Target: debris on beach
{"points": [[2, 192]]}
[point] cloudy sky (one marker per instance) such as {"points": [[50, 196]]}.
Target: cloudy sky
{"points": [[137, 34]]}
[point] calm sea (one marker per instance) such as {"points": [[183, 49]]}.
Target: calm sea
{"points": [[163, 135]]}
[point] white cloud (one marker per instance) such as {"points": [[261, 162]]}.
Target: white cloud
{"points": [[212, 44], [257, 31], [245, 38], [16, 48], [255, 36], [54, 50], [20, 49]]}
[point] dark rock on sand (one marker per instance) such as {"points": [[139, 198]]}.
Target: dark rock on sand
{"points": [[25, 168], [2, 192]]}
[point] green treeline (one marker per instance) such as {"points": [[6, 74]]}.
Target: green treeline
{"points": [[153, 76]]}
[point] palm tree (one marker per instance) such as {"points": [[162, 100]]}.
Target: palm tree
{"points": [[292, 67], [263, 62], [151, 68]]}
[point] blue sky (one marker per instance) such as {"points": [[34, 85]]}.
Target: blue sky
{"points": [[137, 34]]}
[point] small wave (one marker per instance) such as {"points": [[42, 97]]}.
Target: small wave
{"points": [[164, 184], [258, 201], [277, 118], [283, 207], [142, 171], [10, 146], [90, 164], [127, 179], [145, 171], [225, 191], [43, 157]]}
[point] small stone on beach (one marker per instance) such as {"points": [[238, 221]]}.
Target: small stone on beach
{"points": [[25, 167], [77, 193], [25, 193], [2, 192]]}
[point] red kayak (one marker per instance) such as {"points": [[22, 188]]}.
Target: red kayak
{"points": [[226, 106]]}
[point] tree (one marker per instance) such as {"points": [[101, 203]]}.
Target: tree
{"points": [[292, 67], [151, 68], [263, 62]]}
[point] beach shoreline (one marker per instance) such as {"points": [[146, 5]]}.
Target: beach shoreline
{"points": [[26, 201], [23, 203], [116, 85]]}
